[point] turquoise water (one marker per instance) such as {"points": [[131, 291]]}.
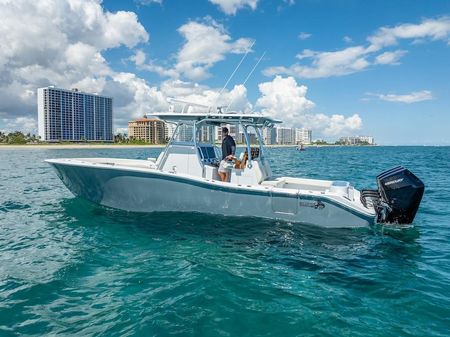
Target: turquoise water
{"points": [[71, 268]]}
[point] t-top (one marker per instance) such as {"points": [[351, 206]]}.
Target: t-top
{"points": [[228, 146]]}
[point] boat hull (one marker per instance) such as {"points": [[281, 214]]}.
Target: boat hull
{"points": [[153, 190]]}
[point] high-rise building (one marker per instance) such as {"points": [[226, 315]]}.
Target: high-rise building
{"points": [[367, 139], [71, 115], [358, 140], [303, 136], [206, 134], [269, 136], [149, 130], [233, 131], [285, 136], [170, 129]]}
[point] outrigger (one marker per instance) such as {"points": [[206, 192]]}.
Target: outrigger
{"points": [[184, 178]]}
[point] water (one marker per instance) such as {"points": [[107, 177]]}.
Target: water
{"points": [[71, 268]]}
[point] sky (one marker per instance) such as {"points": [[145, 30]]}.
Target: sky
{"points": [[339, 67]]}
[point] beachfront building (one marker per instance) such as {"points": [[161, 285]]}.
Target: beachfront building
{"points": [[71, 115], [358, 140], [269, 136], [303, 136], [149, 130], [235, 131], [170, 129], [367, 139], [285, 136], [207, 133]]}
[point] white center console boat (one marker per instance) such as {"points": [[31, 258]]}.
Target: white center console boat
{"points": [[184, 178]]}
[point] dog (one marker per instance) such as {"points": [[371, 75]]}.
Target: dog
{"points": [[240, 164]]}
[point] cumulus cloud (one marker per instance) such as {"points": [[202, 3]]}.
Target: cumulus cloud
{"points": [[141, 62], [334, 125], [61, 43], [24, 124], [285, 99], [230, 7], [234, 99], [325, 64], [145, 98], [320, 64], [206, 43], [434, 29], [390, 57], [413, 97]]}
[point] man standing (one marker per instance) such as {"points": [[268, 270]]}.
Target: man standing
{"points": [[228, 150]]}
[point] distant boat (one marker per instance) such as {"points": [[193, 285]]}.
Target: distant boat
{"points": [[301, 148]]}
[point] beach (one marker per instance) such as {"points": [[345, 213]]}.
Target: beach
{"points": [[75, 146]]}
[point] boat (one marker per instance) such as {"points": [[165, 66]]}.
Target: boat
{"points": [[301, 147], [184, 178]]}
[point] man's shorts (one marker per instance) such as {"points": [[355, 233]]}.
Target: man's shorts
{"points": [[225, 166]]}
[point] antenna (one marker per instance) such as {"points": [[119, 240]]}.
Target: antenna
{"points": [[248, 76], [234, 72]]}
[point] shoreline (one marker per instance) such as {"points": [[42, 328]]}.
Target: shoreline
{"points": [[161, 146], [76, 146], [119, 146]]}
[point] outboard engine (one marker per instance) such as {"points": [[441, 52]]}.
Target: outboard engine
{"points": [[398, 196]]}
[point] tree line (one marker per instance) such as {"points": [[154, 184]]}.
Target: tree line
{"points": [[18, 137]]}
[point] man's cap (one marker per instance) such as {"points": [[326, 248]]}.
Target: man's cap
{"points": [[225, 129]]}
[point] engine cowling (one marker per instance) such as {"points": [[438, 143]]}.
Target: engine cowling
{"points": [[400, 195]]}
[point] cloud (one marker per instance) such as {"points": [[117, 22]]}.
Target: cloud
{"points": [[413, 97], [325, 64], [148, 2], [61, 43], [434, 29], [23, 124], [140, 60], [234, 99], [146, 99], [230, 7], [304, 35], [321, 64], [347, 39], [334, 125], [283, 98], [389, 57], [206, 43]]}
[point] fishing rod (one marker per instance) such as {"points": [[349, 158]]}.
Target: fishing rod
{"points": [[248, 76], [234, 72]]}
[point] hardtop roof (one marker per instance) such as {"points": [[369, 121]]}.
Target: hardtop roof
{"points": [[256, 119]]}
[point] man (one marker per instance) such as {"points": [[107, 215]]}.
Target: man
{"points": [[228, 150]]}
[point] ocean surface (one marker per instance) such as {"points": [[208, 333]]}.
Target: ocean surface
{"points": [[71, 268]]}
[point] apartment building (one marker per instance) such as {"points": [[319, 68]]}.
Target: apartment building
{"points": [[71, 115]]}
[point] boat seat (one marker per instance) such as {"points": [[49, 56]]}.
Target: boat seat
{"points": [[260, 174]]}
